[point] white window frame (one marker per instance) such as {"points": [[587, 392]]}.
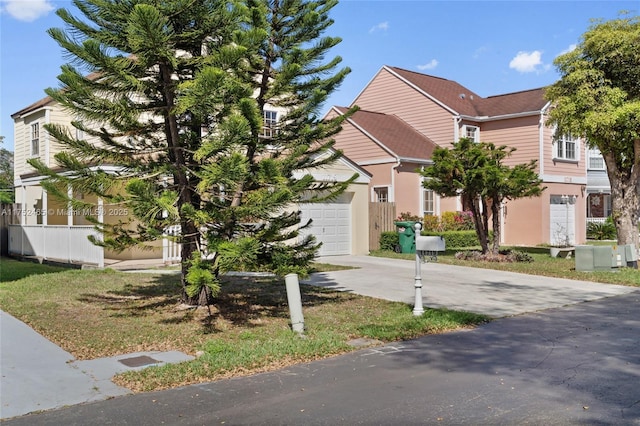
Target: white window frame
{"points": [[561, 143], [376, 195], [35, 139], [595, 154], [471, 132], [270, 119], [431, 198]]}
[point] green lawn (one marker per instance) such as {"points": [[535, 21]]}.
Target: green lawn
{"points": [[94, 314]]}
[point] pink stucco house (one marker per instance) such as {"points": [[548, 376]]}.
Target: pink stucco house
{"points": [[404, 115]]}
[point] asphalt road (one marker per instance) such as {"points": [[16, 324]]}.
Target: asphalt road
{"points": [[575, 365]]}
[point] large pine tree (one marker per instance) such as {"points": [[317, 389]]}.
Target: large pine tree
{"points": [[174, 93]]}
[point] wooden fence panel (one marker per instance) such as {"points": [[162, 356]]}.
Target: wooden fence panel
{"points": [[381, 218]]}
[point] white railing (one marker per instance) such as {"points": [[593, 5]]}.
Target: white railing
{"points": [[596, 220], [170, 247], [59, 242]]}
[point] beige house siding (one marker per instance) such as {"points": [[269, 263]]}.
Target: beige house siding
{"points": [[449, 204], [22, 142], [381, 177], [388, 94], [527, 220], [520, 133], [359, 218], [58, 116], [408, 185], [19, 153]]}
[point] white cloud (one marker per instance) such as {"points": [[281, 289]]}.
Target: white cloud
{"points": [[27, 10], [571, 48], [382, 26], [480, 51], [428, 66], [528, 62]]}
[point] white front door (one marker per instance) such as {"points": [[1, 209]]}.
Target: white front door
{"points": [[331, 225]]}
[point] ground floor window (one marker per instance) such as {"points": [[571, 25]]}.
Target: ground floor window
{"points": [[381, 194], [599, 205], [428, 204]]}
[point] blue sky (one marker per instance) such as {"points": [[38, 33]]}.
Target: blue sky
{"points": [[491, 47]]}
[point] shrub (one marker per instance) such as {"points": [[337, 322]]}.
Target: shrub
{"points": [[431, 223], [602, 231], [459, 238], [509, 256], [449, 221], [406, 216], [389, 240]]}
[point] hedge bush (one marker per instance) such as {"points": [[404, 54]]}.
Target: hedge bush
{"points": [[455, 239], [389, 240]]}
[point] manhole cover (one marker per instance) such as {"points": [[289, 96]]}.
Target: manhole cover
{"points": [[138, 361]]}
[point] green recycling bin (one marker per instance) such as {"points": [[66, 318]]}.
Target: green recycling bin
{"points": [[406, 236]]}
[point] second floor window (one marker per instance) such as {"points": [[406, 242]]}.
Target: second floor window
{"points": [[596, 161], [471, 132], [566, 148], [35, 139], [270, 120]]}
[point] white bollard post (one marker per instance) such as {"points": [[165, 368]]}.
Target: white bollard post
{"points": [[295, 302], [418, 309]]}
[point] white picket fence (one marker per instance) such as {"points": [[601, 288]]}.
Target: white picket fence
{"points": [[170, 247], [56, 242]]}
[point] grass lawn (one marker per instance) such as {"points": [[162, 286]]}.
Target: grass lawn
{"points": [[94, 314]]}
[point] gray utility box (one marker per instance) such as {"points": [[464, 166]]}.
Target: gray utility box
{"points": [[605, 258], [429, 243]]}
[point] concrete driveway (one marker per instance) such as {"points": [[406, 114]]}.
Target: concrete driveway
{"points": [[484, 291]]}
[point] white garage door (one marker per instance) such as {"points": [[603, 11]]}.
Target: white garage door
{"points": [[331, 225], [562, 221]]}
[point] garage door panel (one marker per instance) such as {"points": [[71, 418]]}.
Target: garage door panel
{"points": [[331, 225]]}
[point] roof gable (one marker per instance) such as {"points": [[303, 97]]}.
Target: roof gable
{"points": [[463, 101], [393, 134]]}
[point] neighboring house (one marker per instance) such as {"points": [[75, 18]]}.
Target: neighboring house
{"points": [[404, 114], [50, 229]]}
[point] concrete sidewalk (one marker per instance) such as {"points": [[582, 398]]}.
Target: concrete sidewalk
{"points": [[38, 375]]}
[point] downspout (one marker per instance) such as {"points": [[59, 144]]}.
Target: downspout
{"points": [[456, 127], [541, 162], [541, 143], [394, 169]]}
